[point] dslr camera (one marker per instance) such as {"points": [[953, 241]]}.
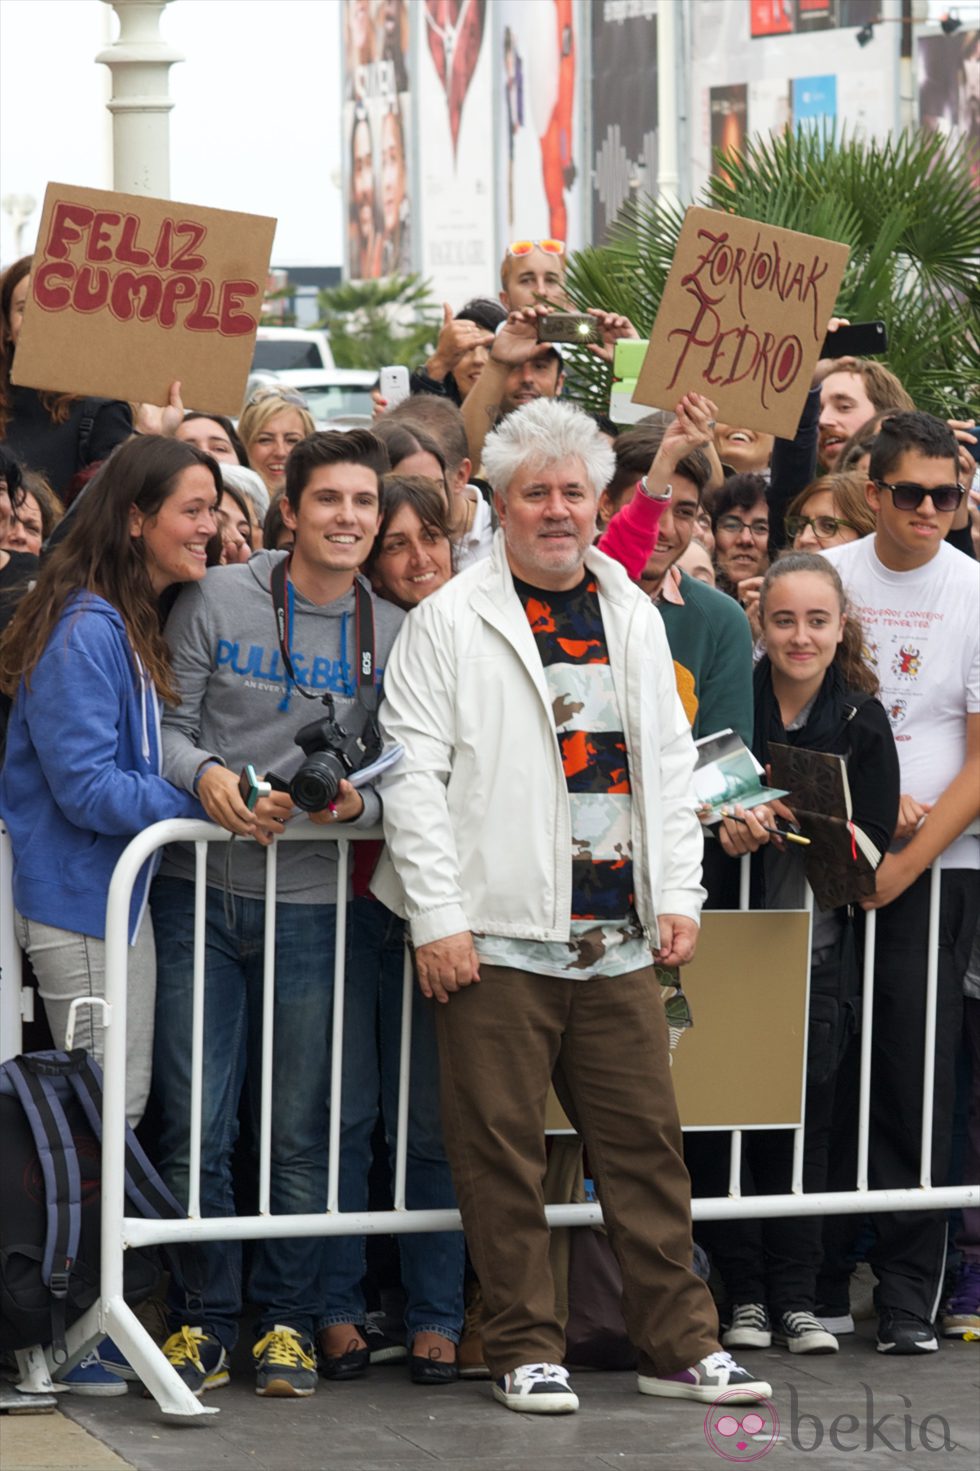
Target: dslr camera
{"points": [[332, 754]]}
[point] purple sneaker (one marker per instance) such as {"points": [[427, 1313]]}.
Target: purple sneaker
{"points": [[961, 1315], [709, 1379]]}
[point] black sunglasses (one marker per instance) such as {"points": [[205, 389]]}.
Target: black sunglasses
{"points": [[908, 496]]}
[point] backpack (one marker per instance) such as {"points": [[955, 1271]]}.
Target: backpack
{"points": [[50, 1230]]}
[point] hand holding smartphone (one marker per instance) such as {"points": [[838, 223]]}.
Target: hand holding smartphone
{"points": [[251, 788], [569, 328], [857, 340], [393, 384]]}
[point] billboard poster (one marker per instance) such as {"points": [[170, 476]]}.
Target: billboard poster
{"points": [[624, 106], [538, 70], [803, 17], [729, 111], [949, 86], [377, 129], [814, 102], [453, 104]]}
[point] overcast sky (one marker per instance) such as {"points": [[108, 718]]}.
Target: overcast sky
{"points": [[256, 125]]}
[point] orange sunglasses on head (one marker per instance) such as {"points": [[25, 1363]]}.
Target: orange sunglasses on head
{"points": [[524, 247]]}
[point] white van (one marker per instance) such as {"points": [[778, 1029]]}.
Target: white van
{"points": [[279, 348]]}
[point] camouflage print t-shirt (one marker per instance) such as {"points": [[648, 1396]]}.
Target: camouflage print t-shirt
{"points": [[606, 937]]}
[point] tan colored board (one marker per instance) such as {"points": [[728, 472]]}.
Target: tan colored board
{"points": [[742, 319], [129, 293], [742, 1063]]}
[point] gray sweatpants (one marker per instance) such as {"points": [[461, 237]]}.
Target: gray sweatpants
{"points": [[69, 965]]}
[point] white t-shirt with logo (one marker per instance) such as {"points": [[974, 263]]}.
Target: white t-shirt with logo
{"points": [[922, 638]]}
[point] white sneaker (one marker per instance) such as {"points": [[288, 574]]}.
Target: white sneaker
{"points": [[709, 1379], [749, 1327], [802, 1333], [836, 1323], [536, 1389]]}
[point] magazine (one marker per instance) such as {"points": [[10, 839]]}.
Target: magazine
{"points": [[727, 776]]}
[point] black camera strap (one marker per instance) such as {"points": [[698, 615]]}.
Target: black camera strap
{"points": [[367, 693]]}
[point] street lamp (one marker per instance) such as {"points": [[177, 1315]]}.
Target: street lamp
{"points": [[140, 62]]}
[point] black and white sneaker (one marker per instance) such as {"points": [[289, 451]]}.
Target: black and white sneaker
{"points": [[536, 1389], [904, 1333], [802, 1333], [715, 1377], [384, 1347], [749, 1327]]}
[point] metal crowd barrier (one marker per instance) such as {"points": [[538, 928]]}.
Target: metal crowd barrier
{"points": [[112, 1314]]}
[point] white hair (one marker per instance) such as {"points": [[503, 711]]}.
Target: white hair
{"points": [[543, 433], [249, 483]]}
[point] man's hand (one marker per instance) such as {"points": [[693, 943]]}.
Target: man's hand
{"points": [[218, 794], [678, 937], [910, 814], [161, 419], [692, 428], [447, 965], [614, 328], [517, 341], [455, 340], [892, 877], [348, 805], [825, 366]]}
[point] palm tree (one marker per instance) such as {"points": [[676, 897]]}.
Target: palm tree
{"points": [[372, 323], [909, 209]]}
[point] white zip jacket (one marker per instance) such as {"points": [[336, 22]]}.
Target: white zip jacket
{"points": [[476, 814]]}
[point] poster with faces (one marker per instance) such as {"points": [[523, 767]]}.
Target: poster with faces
{"points": [[453, 103], [542, 175], [377, 132]]}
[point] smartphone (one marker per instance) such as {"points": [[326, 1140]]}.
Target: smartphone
{"points": [[250, 788], [393, 384], [859, 340], [570, 327]]}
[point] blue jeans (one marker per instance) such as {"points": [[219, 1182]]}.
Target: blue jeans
{"points": [[284, 1274], [431, 1263]]}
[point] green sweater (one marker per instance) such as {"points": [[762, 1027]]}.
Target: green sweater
{"points": [[711, 644]]}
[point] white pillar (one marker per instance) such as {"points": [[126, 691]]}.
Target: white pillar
{"points": [[140, 62], [668, 66]]}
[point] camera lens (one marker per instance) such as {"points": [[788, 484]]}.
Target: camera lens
{"points": [[317, 782]]}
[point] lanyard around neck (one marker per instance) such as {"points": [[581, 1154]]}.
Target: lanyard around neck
{"points": [[282, 602]]}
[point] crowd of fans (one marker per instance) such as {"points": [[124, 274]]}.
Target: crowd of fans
{"points": [[182, 596]]}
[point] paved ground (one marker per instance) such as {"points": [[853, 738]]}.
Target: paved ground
{"points": [[383, 1423]]}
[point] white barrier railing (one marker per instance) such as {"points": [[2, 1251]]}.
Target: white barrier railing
{"points": [[112, 1315]]}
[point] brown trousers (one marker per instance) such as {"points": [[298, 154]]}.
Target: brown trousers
{"points": [[605, 1041]]}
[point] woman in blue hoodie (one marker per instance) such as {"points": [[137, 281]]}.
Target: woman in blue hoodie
{"points": [[86, 663]]}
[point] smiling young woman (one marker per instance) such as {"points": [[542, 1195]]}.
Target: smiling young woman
{"points": [[812, 690], [73, 792]]}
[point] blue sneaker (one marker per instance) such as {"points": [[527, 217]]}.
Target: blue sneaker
{"points": [[90, 1377], [112, 1358]]}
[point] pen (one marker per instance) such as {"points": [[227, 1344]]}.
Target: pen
{"points": [[776, 831]]}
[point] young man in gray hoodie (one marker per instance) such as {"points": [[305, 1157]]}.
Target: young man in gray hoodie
{"points": [[249, 649]]}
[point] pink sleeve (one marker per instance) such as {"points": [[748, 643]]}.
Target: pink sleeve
{"points": [[631, 535]]}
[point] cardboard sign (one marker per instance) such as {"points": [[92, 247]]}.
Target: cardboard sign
{"points": [[727, 1073], [742, 319], [129, 293]]}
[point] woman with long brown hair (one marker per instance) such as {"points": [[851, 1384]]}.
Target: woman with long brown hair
{"points": [[85, 662], [57, 434]]}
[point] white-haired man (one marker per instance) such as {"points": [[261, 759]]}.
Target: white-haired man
{"points": [[542, 827]]}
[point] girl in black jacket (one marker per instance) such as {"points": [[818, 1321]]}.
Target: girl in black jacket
{"points": [[813, 691]]}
